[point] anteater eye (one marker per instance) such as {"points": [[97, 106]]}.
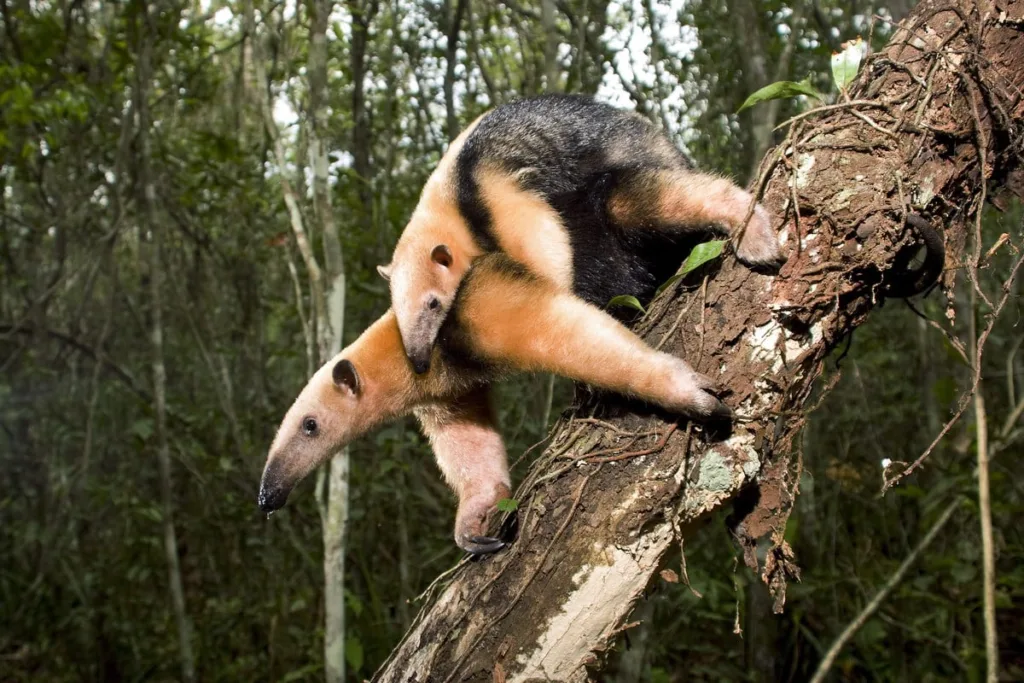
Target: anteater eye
{"points": [[434, 304], [310, 427]]}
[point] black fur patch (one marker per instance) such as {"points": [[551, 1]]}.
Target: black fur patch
{"points": [[576, 152]]}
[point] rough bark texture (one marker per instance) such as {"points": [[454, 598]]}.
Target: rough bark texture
{"points": [[932, 126]]}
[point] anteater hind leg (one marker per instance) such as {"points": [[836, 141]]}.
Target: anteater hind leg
{"points": [[513, 319], [680, 200], [471, 455]]}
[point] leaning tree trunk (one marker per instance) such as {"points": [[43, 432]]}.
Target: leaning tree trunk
{"points": [[931, 127]]}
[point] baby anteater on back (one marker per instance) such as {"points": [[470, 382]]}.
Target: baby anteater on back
{"points": [[591, 197]]}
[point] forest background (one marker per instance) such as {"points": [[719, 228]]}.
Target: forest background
{"points": [[189, 190]]}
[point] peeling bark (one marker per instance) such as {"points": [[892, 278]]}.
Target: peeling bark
{"points": [[933, 126]]}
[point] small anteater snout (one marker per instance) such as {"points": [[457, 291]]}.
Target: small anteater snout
{"points": [[420, 364]]}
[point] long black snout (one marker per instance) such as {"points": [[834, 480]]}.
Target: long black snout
{"points": [[273, 492], [272, 499]]}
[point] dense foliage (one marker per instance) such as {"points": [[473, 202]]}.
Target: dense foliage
{"points": [[83, 568]]}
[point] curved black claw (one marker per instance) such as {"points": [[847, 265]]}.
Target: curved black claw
{"points": [[482, 545], [722, 412]]}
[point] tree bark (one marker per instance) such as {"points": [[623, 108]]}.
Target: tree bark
{"points": [[147, 204], [988, 561], [454, 19], [761, 120], [334, 500], [363, 12], [551, 40], [932, 120], [327, 291]]}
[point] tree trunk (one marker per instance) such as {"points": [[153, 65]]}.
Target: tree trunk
{"points": [[551, 41], [931, 122], [327, 291], [454, 18], [761, 120], [147, 206], [363, 12], [333, 500]]}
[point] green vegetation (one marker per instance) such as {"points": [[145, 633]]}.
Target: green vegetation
{"points": [[99, 101]]}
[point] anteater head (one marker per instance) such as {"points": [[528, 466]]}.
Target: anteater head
{"points": [[325, 417], [424, 281]]}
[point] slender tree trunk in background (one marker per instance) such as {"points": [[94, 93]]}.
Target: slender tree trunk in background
{"points": [[328, 304], [988, 562], [760, 632], [633, 666], [147, 204], [363, 12], [404, 591], [551, 40], [593, 529], [450, 54], [755, 67], [333, 501], [926, 373], [549, 397], [291, 199]]}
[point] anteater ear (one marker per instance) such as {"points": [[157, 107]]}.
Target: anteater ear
{"points": [[442, 255], [385, 272], [346, 377]]}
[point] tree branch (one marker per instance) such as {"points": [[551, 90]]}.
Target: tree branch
{"points": [[552, 604], [870, 608]]}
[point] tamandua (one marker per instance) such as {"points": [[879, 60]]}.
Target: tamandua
{"points": [[590, 197], [505, 319]]}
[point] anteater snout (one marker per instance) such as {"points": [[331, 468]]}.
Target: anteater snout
{"points": [[273, 492], [420, 364], [272, 499]]}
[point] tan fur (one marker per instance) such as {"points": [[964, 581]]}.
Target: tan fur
{"points": [[527, 228], [414, 278], [532, 325], [436, 218], [675, 200], [387, 388], [511, 321], [440, 182], [471, 456]]}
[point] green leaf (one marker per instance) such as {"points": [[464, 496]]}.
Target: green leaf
{"points": [[846, 62], [143, 428], [781, 90], [508, 504], [628, 301], [354, 653], [701, 254]]}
